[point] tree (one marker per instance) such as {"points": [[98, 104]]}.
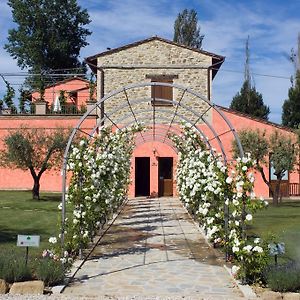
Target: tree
{"points": [[24, 101], [186, 29], [248, 100], [8, 98], [49, 34], [282, 158], [280, 149], [36, 150], [291, 106]]}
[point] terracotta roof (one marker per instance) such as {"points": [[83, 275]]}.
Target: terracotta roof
{"points": [[257, 119], [62, 82], [67, 80], [92, 60]]}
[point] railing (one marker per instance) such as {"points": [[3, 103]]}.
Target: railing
{"points": [[294, 189], [68, 109]]}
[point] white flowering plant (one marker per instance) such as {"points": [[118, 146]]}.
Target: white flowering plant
{"points": [[213, 191], [100, 176]]}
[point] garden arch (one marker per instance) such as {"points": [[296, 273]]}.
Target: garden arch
{"points": [[159, 120]]}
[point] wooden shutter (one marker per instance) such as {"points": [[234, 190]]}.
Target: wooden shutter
{"points": [[162, 92]]}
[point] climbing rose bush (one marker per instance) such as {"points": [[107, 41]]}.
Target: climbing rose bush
{"points": [[212, 190], [100, 170]]}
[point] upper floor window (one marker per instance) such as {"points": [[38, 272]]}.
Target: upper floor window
{"points": [[160, 92]]}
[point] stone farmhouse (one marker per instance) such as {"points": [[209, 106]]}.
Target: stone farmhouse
{"points": [[141, 65]]}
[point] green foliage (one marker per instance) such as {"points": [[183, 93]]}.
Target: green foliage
{"points": [[92, 89], [254, 263], [250, 102], [284, 278], [35, 149], [50, 271], [214, 192], [8, 98], [186, 29], [283, 153], [13, 268], [280, 147], [62, 98], [48, 34], [253, 142], [291, 106], [99, 184], [24, 101]]}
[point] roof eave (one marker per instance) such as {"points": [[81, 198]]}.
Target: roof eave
{"points": [[92, 60]]}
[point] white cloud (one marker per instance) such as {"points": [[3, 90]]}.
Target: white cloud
{"points": [[272, 35], [226, 25]]}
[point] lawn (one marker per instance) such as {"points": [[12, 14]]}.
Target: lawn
{"points": [[19, 214], [284, 222]]}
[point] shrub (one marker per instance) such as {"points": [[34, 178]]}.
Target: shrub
{"points": [[284, 278], [50, 271], [13, 268]]}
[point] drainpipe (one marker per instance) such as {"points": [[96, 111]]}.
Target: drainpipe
{"points": [[208, 82], [102, 95]]}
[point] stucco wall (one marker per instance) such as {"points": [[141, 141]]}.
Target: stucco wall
{"points": [[239, 122], [16, 179], [72, 85], [154, 150]]}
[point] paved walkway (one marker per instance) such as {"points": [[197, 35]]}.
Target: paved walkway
{"points": [[154, 249]]}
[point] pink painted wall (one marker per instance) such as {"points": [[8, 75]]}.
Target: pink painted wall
{"points": [[154, 150], [17, 179], [51, 181], [79, 85], [239, 122]]}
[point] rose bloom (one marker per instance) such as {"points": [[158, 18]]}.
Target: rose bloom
{"points": [[249, 217]]}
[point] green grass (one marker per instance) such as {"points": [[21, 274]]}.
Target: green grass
{"points": [[19, 214], [284, 222]]}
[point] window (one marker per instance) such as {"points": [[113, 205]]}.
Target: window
{"points": [[159, 92]]}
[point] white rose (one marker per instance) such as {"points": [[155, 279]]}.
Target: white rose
{"points": [[249, 217], [229, 180], [257, 240], [235, 249], [52, 240], [234, 270], [258, 249], [248, 248]]}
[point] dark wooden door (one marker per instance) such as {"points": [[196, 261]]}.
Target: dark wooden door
{"points": [[142, 176], [165, 176]]}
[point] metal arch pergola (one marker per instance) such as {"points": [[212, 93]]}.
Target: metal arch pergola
{"points": [[156, 133]]}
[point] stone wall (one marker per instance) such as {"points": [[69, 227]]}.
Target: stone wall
{"points": [[150, 55]]}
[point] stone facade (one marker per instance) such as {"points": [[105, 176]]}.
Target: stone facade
{"points": [[154, 57]]}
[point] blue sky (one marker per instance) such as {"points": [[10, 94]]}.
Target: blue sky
{"points": [[273, 27]]}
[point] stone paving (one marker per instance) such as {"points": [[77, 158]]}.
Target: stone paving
{"points": [[154, 249]]}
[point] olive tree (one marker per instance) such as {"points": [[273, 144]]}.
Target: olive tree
{"points": [[34, 149], [277, 149]]}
